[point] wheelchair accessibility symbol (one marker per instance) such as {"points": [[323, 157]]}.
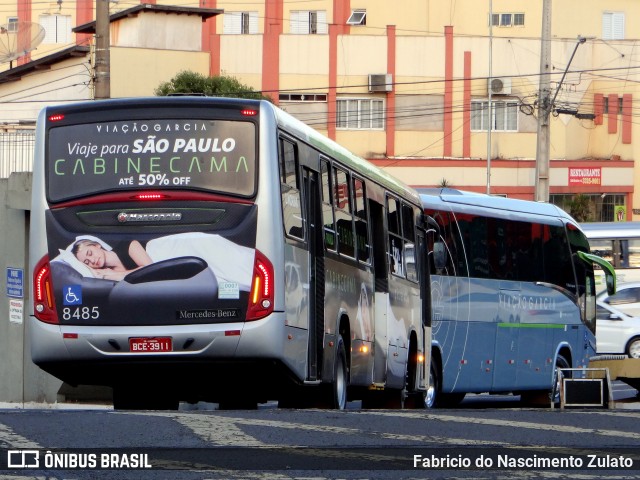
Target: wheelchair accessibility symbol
{"points": [[72, 295]]}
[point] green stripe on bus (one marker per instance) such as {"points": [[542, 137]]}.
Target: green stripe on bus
{"points": [[531, 325]]}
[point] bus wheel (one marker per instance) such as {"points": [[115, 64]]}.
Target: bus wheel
{"points": [[633, 349], [337, 390], [543, 398], [561, 362], [433, 389]]}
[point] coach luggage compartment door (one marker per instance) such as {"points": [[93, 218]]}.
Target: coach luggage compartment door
{"points": [[505, 363]]}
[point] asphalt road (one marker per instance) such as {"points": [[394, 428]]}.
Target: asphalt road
{"points": [[486, 437]]}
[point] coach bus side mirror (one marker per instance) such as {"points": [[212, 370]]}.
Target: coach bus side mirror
{"points": [[607, 268], [439, 256]]}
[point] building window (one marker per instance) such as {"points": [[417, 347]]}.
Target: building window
{"points": [[303, 97], [358, 17], [504, 116], [606, 108], [612, 26], [57, 28], [12, 24], [602, 206], [360, 114], [305, 22], [507, 19], [240, 23]]}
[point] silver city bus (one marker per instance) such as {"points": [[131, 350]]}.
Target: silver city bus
{"points": [[191, 248]]}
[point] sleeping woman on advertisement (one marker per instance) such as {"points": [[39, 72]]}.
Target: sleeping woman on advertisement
{"points": [[229, 261]]}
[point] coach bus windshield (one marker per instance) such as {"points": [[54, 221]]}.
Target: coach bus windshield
{"points": [[212, 155]]}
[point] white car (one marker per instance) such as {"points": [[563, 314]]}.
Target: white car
{"points": [[626, 299], [616, 331]]}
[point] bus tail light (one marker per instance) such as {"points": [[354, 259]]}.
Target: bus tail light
{"points": [[44, 304], [261, 295]]}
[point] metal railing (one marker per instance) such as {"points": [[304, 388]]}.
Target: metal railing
{"points": [[16, 152]]}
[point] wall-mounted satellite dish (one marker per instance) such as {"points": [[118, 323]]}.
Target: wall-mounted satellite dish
{"points": [[18, 39]]}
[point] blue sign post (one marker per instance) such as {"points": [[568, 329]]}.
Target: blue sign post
{"points": [[15, 282]]}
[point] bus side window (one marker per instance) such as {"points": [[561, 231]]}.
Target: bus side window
{"points": [[344, 219], [457, 240], [290, 190], [409, 235], [558, 265], [396, 243], [363, 237], [444, 246], [327, 207]]}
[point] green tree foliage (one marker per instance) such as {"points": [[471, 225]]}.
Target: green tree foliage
{"points": [[579, 208], [187, 82]]}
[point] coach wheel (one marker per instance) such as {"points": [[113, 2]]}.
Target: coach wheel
{"points": [[561, 362]]}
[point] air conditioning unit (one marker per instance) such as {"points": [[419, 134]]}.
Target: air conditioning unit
{"points": [[500, 86], [380, 82]]}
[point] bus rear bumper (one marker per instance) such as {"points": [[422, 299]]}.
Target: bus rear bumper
{"points": [[102, 355]]}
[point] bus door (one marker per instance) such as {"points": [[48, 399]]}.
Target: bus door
{"points": [[381, 295], [314, 230], [422, 259]]}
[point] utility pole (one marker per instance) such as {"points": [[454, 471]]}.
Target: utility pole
{"points": [[544, 107], [489, 81], [102, 80]]}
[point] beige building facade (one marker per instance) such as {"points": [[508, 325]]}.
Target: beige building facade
{"points": [[407, 88]]}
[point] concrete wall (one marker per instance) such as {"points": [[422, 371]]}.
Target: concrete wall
{"points": [[21, 380]]}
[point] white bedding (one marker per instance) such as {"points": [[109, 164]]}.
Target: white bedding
{"points": [[229, 261]]}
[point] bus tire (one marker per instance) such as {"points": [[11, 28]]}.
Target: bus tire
{"points": [[633, 348], [433, 388], [337, 390], [561, 362], [544, 398]]}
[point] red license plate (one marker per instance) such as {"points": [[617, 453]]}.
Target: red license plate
{"points": [[150, 344]]}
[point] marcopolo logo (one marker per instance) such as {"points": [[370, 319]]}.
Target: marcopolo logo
{"points": [[149, 217], [23, 459]]}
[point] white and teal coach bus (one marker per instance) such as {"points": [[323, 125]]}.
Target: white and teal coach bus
{"points": [[513, 295]]}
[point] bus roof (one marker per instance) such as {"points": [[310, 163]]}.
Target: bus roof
{"points": [[438, 196], [340, 153], [611, 230]]}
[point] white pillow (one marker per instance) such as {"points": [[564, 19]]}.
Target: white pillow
{"points": [[71, 260]]}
